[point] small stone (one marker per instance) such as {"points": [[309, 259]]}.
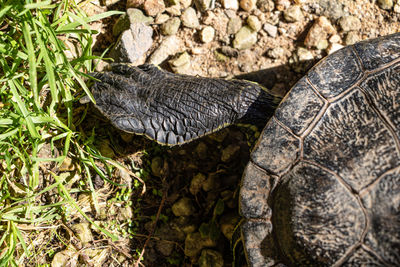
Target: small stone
{"points": [[211, 258], [230, 4], [385, 4], [334, 47], [136, 16], [161, 18], [245, 38], [248, 5], [183, 207], [67, 165], [322, 44], [319, 31], [334, 38], [211, 182], [197, 183], [350, 23], [207, 34], [194, 243], [181, 63], [189, 18], [170, 46], [201, 150], [165, 248], [333, 9], [282, 5], [304, 54], [174, 10], [203, 5], [185, 3], [254, 23], [228, 224], [157, 165], [293, 14], [396, 8], [153, 7], [270, 29], [125, 213], [65, 257], [352, 38], [276, 53], [82, 232], [234, 25], [266, 6], [230, 152], [171, 26]]}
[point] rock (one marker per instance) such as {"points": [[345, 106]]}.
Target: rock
{"points": [[352, 38], [228, 223], [170, 46], [157, 165], [189, 18], [234, 25], [332, 8], [136, 15], [282, 5], [203, 5], [334, 47], [350, 23], [254, 23], [171, 26], [266, 6], [396, 8], [194, 243], [174, 10], [207, 34], [304, 54], [67, 165], [197, 183], [134, 3], [185, 3], [230, 152], [293, 14], [247, 5], [82, 232], [322, 44], [385, 4], [165, 247], [133, 43], [67, 257], [211, 182], [276, 53], [183, 207], [180, 63], [125, 213], [201, 150], [319, 31], [211, 258], [153, 7], [334, 38], [161, 18], [230, 4], [230, 52], [245, 38], [270, 29]]}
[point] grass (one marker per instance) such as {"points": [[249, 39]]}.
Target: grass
{"points": [[40, 84]]}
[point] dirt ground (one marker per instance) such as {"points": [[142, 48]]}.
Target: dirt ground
{"points": [[201, 179]]}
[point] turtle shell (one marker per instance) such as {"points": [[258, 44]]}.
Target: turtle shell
{"points": [[322, 187]]}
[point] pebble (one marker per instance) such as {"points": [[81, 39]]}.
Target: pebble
{"points": [[65, 257], [396, 8], [153, 7], [385, 4], [174, 10], [181, 63], [230, 152], [194, 243], [272, 30], [201, 150], [319, 31], [197, 183], [170, 46], [293, 14], [254, 23], [234, 25], [189, 18], [247, 5], [67, 165], [334, 38], [276, 53], [171, 26], [266, 6], [185, 3], [333, 48], [282, 5], [332, 8], [207, 34], [245, 38], [183, 207], [230, 4], [161, 18], [136, 15], [304, 54], [134, 3], [203, 5], [82, 232], [211, 257], [157, 164], [352, 38], [350, 23]]}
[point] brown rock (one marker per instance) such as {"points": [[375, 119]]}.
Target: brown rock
{"points": [[247, 5], [134, 3], [153, 7], [319, 31]]}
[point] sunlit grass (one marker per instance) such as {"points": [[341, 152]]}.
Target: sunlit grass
{"points": [[39, 85]]}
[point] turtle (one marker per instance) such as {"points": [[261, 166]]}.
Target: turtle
{"points": [[322, 186]]}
